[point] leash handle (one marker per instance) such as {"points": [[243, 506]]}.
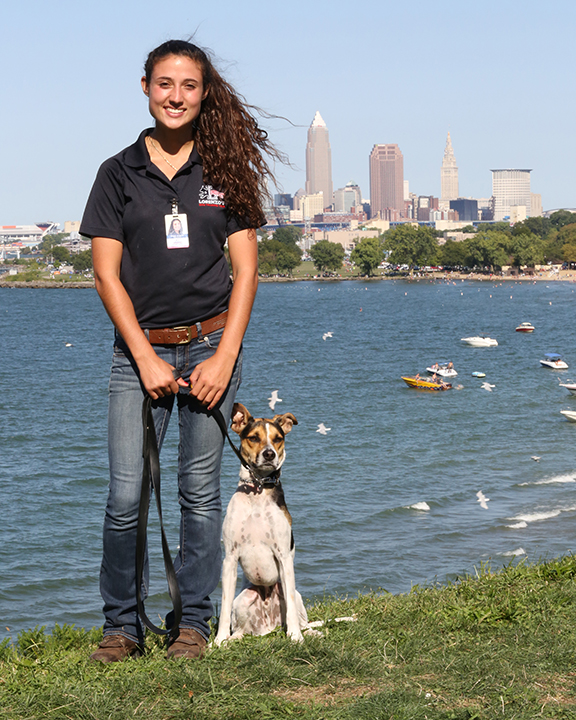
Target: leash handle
{"points": [[151, 478]]}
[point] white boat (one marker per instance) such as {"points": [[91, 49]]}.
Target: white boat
{"points": [[569, 415], [443, 369], [479, 341], [571, 387], [525, 327], [554, 361]]}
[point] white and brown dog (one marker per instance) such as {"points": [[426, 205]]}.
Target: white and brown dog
{"points": [[257, 533]]}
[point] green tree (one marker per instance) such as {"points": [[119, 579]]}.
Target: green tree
{"points": [[489, 249], [288, 259], [368, 254], [409, 245], [49, 242], [553, 247], [527, 250], [567, 234], [453, 254], [537, 225], [569, 253], [60, 256], [82, 261], [275, 256], [288, 234], [557, 248], [327, 255], [560, 218]]}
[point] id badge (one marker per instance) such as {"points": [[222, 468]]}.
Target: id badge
{"points": [[176, 231]]}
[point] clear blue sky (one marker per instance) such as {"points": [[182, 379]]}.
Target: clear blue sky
{"points": [[497, 74]]}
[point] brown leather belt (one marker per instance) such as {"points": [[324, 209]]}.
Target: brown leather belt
{"points": [[185, 333]]}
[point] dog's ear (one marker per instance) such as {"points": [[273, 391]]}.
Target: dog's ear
{"points": [[285, 421], [240, 418]]}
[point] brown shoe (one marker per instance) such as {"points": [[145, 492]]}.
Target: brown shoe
{"points": [[114, 648], [189, 644]]}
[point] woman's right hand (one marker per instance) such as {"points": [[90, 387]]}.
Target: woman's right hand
{"points": [[157, 376]]}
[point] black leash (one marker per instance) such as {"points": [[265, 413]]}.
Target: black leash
{"points": [[223, 427], [151, 478]]}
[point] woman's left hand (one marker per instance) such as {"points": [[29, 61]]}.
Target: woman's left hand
{"points": [[210, 378]]}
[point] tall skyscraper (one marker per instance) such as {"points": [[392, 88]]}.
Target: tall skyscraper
{"points": [[386, 181], [511, 189], [449, 174], [319, 160]]}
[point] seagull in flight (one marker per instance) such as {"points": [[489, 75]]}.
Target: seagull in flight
{"points": [[487, 386], [273, 399], [326, 335], [482, 499], [322, 429]]}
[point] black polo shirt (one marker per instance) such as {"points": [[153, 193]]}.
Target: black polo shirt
{"points": [[128, 203]]}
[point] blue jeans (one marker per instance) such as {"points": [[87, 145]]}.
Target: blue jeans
{"points": [[199, 558]]}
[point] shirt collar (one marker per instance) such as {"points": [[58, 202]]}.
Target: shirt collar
{"points": [[137, 154]]}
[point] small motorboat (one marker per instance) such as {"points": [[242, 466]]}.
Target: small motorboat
{"points": [[479, 341], [554, 361], [569, 415], [425, 384], [525, 327], [444, 369], [571, 387]]}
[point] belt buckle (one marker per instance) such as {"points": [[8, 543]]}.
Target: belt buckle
{"points": [[188, 337]]}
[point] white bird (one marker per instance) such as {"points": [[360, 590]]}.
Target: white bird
{"points": [[273, 399], [487, 386], [482, 499], [322, 429], [326, 335], [68, 344], [535, 457]]}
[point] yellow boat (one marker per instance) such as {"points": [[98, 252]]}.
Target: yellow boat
{"points": [[424, 384]]}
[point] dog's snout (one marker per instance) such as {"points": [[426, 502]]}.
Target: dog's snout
{"points": [[268, 454]]}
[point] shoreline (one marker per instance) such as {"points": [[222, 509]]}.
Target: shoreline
{"points": [[561, 276]]}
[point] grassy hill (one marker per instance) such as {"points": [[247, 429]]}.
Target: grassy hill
{"points": [[499, 645]]}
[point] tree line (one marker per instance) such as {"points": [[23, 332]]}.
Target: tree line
{"points": [[489, 246]]}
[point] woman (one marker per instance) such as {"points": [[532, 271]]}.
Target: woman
{"points": [[174, 308]]}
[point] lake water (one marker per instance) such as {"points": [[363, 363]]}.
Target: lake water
{"points": [[385, 500]]}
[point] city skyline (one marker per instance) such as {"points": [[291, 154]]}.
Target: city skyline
{"points": [[445, 66]]}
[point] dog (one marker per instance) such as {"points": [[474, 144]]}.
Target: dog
{"points": [[257, 533]]}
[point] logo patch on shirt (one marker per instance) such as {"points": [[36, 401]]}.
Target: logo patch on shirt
{"points": [[209, 196]]}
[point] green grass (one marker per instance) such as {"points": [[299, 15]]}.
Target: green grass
{"points": [[500, 645], [306, 270]]}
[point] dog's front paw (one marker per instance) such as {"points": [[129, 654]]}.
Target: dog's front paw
{"points": [[296, 636], [221, 638]]}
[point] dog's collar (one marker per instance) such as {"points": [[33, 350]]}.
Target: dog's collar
{"points": [[259, 483]]}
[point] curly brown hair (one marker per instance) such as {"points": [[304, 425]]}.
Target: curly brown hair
{"points": [[227, 136]]}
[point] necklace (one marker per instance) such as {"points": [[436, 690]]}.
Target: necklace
{"points": [[149, 137]]}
